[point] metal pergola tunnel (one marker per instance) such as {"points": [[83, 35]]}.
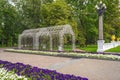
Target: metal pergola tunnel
{"points": [[49, 38]]}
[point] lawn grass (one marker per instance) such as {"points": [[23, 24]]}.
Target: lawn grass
{"points": [[68, 47], [116, 49], [89, 48], [93, 48]]}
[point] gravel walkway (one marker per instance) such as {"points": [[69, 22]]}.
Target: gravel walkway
{"points": [[90, 68]]}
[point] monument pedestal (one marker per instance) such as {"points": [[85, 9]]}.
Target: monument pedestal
{"points": [[100, 45]]}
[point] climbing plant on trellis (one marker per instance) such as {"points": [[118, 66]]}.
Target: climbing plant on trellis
{"points": [[49, 38]]}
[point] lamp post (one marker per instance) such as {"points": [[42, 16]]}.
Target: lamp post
{"points": [[101, 7]]}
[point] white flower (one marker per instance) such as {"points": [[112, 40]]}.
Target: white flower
{"points": [[88, 55], [9, 75]]}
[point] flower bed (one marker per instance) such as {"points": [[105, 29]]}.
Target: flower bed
{"points": [[35, 73], [10, 75], [70, 54]]}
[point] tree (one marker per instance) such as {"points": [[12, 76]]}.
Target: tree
{"points": [[85, 15], [111, 19], [8, 23], [80, 14], [58, 13], [87, 19]]}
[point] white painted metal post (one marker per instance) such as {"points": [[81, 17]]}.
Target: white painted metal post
{"points": [[73, 42], [19, 42], [51, 43]]}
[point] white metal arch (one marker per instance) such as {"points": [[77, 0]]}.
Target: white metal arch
{"points": [[60, 30]]}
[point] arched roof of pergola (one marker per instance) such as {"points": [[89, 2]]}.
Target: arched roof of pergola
{"points": [[59, 30]]}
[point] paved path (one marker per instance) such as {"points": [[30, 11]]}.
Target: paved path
{"points": [[90, 68]]}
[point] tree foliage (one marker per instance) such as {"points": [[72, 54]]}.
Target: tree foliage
{"points": [[8, 23], [58, 13], [80, 14], [87, 19]]}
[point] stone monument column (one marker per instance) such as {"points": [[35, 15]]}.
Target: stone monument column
{"points": [[100, 10], [100, 27]]}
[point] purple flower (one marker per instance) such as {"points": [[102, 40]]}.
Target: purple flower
{"points": [[37, 73]]}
